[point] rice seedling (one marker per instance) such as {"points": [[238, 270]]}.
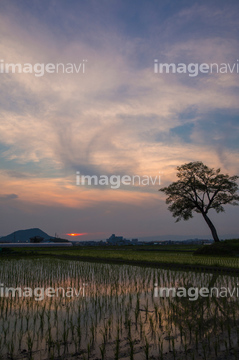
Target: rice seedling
{"points": [[117, 304], [146, 349]]}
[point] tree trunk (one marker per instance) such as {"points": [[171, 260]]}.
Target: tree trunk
{"points": [[212, 228]]}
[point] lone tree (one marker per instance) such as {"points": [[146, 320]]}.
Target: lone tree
{"points": [[200, 189]]}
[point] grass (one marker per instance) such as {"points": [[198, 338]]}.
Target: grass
{"points": [[227, 247], [176, 256]]}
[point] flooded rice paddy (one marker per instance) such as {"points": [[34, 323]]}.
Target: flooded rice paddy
{"points": [[104, 311]]}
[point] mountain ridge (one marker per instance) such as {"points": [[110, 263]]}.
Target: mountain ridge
{"points": [[24, 235]]}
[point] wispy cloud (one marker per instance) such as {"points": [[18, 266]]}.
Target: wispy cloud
{"points": [[119, 117]]}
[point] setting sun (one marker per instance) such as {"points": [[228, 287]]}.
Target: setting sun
{"points": [[76, 234]]}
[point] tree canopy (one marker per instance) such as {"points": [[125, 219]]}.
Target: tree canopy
{"points": [[200, 189]]}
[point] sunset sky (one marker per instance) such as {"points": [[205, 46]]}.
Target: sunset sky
{"points": [[116, 118]]}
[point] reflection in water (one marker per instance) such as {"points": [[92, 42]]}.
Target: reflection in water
{"points": [[117, 315]]}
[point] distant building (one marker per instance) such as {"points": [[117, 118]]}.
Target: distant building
{"points": [[36, 239], [114, 240], [119, 240], [39, 239]]}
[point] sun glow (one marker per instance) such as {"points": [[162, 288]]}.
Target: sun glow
{"points": [[76, 234]]}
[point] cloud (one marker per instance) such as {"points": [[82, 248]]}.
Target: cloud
{"points": [[108, 132], [7, 197], [119, 117]]}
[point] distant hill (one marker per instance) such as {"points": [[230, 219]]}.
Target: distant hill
{"points": [[24, 235]]}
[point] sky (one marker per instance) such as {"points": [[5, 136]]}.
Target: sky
{"points": [[118, 117]]}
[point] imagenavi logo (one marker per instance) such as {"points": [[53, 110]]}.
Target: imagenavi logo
{"points": [[194, 69]]}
